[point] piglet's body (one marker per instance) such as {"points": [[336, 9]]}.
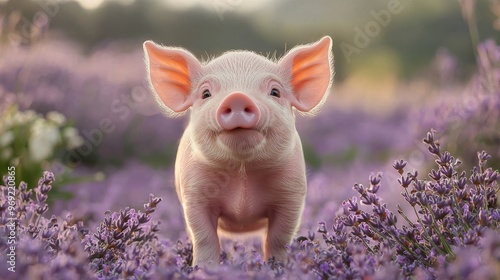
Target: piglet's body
{"points": [[240, 166]]}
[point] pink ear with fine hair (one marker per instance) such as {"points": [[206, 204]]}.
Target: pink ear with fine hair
{"points": [[171, 72], [310, 71]]}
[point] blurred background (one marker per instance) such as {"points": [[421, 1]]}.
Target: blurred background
{"points": [[74, 98]]}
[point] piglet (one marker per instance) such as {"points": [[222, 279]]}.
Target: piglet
{"points": [[240, 165]]}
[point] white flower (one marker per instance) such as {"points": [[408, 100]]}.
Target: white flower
{"points": [[72, 137], [17, 118], [44, 136], [6, 138], [21, 118], [56, 117]]}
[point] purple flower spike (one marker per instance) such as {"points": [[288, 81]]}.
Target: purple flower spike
{"points": [[399, 165]]}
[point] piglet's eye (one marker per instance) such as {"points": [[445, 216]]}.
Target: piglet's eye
{"points": [[275, 93], [206, 94]]}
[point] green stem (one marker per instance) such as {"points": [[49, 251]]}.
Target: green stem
{"points": [[475, 39], [31, 218], [429, 238], [417, 257], [37, 219], [367, 246], [426, 250], [463, 222], [473, 31], [446, 246]]}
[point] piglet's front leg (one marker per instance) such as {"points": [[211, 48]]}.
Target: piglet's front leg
{"points": [[283, 223], [202, 227]]}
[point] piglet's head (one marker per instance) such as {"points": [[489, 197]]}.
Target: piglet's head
{"points": [[242, 104]]}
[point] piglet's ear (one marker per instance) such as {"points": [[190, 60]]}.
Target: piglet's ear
{"points": [[310, 71], [171, 73]]}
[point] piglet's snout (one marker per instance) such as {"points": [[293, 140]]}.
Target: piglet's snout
{"points": [[237, 110]]}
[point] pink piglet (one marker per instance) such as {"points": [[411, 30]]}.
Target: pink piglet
{"points": [[240, 166]]}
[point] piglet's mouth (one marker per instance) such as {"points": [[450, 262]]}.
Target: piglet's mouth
{"points": [[241, 138]]}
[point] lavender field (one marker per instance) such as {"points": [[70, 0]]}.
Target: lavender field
{"points": [[401, 185]]}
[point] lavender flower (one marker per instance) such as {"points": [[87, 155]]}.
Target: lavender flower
{"points": [[449, 214], [455, 215], [469, 118], [46, 247]]}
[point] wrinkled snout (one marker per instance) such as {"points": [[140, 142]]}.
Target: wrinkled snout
{"points": [[237, 110]]}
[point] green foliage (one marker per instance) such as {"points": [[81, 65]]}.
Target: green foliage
{"points": [[278, 22], [32, 143]]}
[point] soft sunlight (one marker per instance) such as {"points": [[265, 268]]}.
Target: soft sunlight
{"points": [[90, 4], [186, 4], [93, 4]]}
